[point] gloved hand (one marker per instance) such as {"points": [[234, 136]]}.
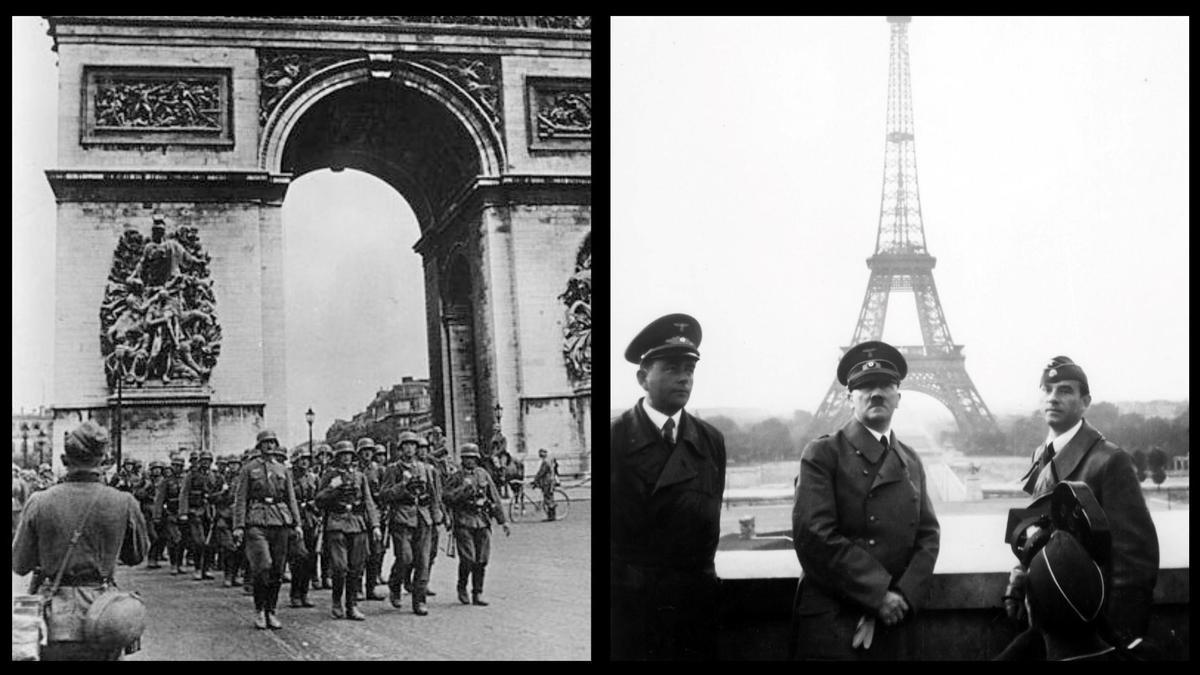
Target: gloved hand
{"points": [[1014, 595], [864, 634]]}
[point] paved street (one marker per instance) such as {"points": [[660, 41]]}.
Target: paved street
{"points": [[538, 584]]}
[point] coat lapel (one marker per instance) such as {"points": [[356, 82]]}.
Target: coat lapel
{"points": [[862, 440], [1069, 457], [642, 433], [683, 463]]}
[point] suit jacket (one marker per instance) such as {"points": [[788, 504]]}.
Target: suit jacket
{"points": [[862, 524], [666, 503], [1109, 472]]}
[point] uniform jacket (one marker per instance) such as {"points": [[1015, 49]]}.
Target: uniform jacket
{"points": [[349, 506], [1109, 472], [143, 491], [305, 483], [223, 501], [115, 529], [666, 504], [374, 474], [166, 497], [862, 524], [197, 489], [547, 474], [264, 496], [474, 500], [406, 508]]}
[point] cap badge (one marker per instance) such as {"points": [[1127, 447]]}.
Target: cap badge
{"points": [[681, 326], [870, 364], [1052, 373]]}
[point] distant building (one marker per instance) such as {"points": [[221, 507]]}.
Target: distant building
{"points": [[406, 406], [32, 437]]}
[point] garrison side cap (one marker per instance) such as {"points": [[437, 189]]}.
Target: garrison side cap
{"points": [[871, 361], [1062, 368], [673, 334]]}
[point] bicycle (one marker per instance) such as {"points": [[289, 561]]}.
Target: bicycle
{"points": [[526, 503]]}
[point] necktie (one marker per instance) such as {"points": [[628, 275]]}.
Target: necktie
{"points": [[883, 442], [1049, 454], [668, 431]]}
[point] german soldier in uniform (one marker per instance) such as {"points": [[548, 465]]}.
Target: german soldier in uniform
{"points": [[412, 489], [231, 556], [475, 501], [863, 525], [667, 481], [248, 455], [200, 485], [264, 512], [304, 558], [439, 468], [1075, 451], [374, 475], [324, 464], [110, 526], [350, 519], [166, 512], [144, 492], [547, 479]]}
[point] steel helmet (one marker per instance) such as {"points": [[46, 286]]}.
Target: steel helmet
{"points": [[265, 435], [343, 447], [304, 452], [468, 450], [422, 442], [365, 442], [324, 449], [206, 455], [115, 619], [409, 437]]}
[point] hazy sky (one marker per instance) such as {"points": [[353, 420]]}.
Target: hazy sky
{"points": [[353, 284], [1053, 163]]}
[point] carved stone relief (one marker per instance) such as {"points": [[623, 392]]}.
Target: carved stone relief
{"points": [[577, 324]]}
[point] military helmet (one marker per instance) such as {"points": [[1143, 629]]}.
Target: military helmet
{"points": [[43, 467], [364, 442], [381, 449], [193, 455], [409, 437], [324, 449], [206, 455], [343, 447], [304, 452], [468, 450], [176, 458], [157, 464], [422, 442], [265, 435], [129, 460], [222, 459], [115, 619]]}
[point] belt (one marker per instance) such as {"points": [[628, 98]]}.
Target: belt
{"points": [[263, 500]]}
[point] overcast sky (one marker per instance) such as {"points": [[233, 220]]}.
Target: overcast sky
{"points": [[1053, 163], [353, 284]]}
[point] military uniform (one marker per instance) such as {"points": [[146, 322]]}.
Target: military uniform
{"points": [[114, 530], [166, 514], [474, 501], [666, 492], [324, 458], [223, 540], [199, 487], [304, 557], [374, 475], [1109, 472], [435, 532], [265, 509], [412, 490], [350, 518], [144, 492], [546, 479]]}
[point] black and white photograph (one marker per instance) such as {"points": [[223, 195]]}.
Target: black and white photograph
{"points": [[301, 347], [870, 403]]}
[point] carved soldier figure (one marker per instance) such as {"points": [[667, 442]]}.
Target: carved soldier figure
{"points": [[161, 257]]}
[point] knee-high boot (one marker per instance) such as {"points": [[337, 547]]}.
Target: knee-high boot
{"points": [[477, 586]]}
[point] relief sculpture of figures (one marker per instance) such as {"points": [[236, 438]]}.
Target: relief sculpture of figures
{"points": [[568, 113], [158, 104], [158, 319], [577, 329]]}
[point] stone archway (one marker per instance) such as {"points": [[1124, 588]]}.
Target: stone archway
{"points": [[483, 128]]}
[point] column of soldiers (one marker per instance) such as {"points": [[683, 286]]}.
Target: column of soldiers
{"points": [[329, 518]]}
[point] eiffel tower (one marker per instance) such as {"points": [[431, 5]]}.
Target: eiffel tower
{"points": [[902, 263]]}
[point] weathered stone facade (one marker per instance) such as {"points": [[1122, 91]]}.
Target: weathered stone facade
{"points": [[207, 120]]}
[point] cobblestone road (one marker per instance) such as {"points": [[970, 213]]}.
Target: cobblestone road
{"points": [[538, 584]]}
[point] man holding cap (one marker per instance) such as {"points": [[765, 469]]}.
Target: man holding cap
{"points": [[863, 525], [1076, 451], [667, 482]]}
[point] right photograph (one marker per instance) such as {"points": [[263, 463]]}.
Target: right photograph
{"points": [[805, 463]]}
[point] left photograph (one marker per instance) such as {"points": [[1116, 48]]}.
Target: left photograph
{"points": [[302, 338]]}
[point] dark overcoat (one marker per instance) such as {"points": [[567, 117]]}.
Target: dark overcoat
{"points": [[862, 525], [1109, 472], [666, 511]]}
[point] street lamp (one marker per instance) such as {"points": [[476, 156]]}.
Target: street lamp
{"points": [[309, 417], [41, 446]]}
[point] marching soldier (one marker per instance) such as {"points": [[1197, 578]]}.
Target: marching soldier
{"points": [[304, 557], [264, 510], [110, 526], [231, 557], [122, 479], [324, 464], [374, 475], [350, 514], [199, 487], [412, 489], [435, 534], [243, 558], [144, 492], [166, 512], [475, 502]]}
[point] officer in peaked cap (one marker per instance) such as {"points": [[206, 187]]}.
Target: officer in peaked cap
{"points": [[668, 477], [867, 562], [1074, 450]]}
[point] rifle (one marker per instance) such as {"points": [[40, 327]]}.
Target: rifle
{"points": [[451, 548]]}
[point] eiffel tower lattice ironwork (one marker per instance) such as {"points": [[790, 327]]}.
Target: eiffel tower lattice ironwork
{"points": [[902, 263]]}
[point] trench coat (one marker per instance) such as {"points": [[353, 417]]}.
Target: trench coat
{"points": [[1109, 472], [862, 525]]}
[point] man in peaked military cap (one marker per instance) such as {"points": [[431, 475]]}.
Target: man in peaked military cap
{"points": [[862, 525], [667, 482], [1075, 451]]}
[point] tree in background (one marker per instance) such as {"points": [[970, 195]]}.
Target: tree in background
{"points": [[1139, 463], [1158, 465]]}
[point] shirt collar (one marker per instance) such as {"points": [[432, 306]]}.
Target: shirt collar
{"points": [[880, 434], [658, 418], [1061, 440]]}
